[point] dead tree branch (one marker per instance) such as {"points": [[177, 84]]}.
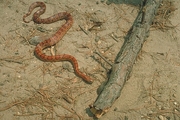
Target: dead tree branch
{"points": [[126, 57]]}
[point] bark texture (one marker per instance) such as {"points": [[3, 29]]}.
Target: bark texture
{"points": [[126, 57]]}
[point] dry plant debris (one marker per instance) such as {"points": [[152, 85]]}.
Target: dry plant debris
{"points": [[43, 102], [157, 106], [165, 11]]}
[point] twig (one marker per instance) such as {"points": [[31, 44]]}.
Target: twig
{"points": [[11, 105], [103, 58], [83, 30]]}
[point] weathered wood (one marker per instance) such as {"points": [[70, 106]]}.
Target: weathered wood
{"points": [[126, 57]]}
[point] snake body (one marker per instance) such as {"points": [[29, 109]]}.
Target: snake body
{"points": [[55, 38]]}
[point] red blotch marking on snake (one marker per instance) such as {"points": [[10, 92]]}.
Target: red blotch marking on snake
{"points": [[55, 38]]}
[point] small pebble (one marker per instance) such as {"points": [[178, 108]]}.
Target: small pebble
{"points": [[35, 40]]}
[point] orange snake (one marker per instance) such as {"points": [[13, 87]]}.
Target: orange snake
{"points": [[55, 38]]}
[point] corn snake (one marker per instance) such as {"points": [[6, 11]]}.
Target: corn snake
{"points": [[55, 38]]}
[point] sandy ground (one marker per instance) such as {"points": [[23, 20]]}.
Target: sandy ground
{"points": [[34, 90]]}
